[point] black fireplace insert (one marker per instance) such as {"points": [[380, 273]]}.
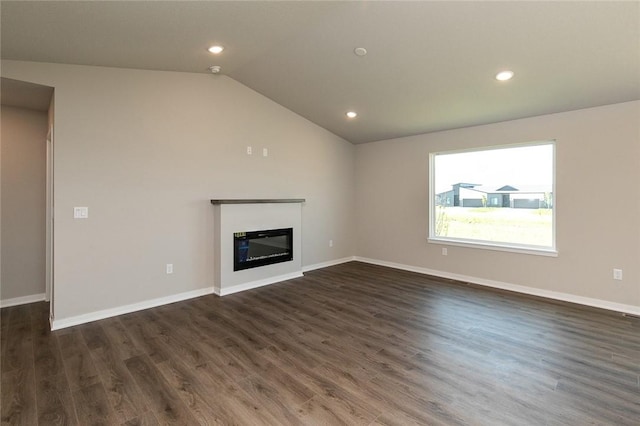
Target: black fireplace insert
{"points": [[260, 248]]}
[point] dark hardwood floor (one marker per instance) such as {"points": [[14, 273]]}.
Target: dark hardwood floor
{"points": [[352, 344]]}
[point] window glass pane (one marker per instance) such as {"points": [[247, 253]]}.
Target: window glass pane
{"points": [[500, 196]]}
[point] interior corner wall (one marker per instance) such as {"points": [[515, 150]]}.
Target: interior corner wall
{"points": [[597, 205], [23, 176], [145, 151]]}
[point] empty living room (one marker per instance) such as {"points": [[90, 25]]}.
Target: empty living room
{"points": [[320, 213]]}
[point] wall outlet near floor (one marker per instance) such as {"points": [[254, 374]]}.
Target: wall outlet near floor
{"points": [[249, 150], [169, 268], [330, 243], [617, 274], [445, 251]]}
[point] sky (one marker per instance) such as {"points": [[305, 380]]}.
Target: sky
{"points": [[517, 165]]}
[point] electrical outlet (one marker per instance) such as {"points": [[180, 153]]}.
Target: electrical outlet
{"points": [[445, 251], [169, 268], [265, 152], [330, 243], [249, 150], [617, 274]]}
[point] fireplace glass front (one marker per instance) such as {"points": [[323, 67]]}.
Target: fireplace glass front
{"points": [[260, 248]]}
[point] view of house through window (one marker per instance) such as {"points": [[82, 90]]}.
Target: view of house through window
{"points": [[499, 196]]}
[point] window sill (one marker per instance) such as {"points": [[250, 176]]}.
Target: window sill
{"points": [[549, 252]]}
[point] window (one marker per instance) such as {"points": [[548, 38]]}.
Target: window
{"points": [[499, 197]]}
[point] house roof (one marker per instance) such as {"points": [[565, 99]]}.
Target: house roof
{"points": [[509, 189], [430, 65], [503, 189]]}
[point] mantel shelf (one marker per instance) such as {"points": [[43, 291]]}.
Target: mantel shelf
{"points": [[260, 201]]}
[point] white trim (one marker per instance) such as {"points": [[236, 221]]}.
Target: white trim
{"points": [[327, 264], [255, 284], [49, 217], [22, 300], [549, 294], [57, 324], [490, 246]]}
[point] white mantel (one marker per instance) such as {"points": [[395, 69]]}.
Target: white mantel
{"points": [[231, 216]]}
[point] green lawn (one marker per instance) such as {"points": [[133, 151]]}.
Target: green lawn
{"points": [[521, 226]]}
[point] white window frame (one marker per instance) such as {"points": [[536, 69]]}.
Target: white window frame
{"points": [[492, 245]]}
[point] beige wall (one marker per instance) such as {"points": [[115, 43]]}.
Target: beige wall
{"points": [[598, 204], [23, 134], [146, 151]]}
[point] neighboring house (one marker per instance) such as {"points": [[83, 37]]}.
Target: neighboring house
{"points": [[476, 195]]}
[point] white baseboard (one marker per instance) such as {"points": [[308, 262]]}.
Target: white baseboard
{"points": [[23, 300], [255, 284], [532, 291], [327, 264], [57, 324]]}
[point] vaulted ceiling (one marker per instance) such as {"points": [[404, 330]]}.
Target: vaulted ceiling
{"points": [[429, 65]]}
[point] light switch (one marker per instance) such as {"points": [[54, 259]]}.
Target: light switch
{"points": [[80, 212]]}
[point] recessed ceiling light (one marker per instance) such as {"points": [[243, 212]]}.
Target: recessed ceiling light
{"points": [[352, 114], [504, 75], [360, 51], [216, 49]]}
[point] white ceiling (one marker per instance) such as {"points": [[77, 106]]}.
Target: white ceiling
{"points": [[430, 65]]}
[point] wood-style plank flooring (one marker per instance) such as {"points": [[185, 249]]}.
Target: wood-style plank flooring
{"points": [[352, 344]]}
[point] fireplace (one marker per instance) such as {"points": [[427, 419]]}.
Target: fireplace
{"points": [[259, 248], [278, 246]]}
